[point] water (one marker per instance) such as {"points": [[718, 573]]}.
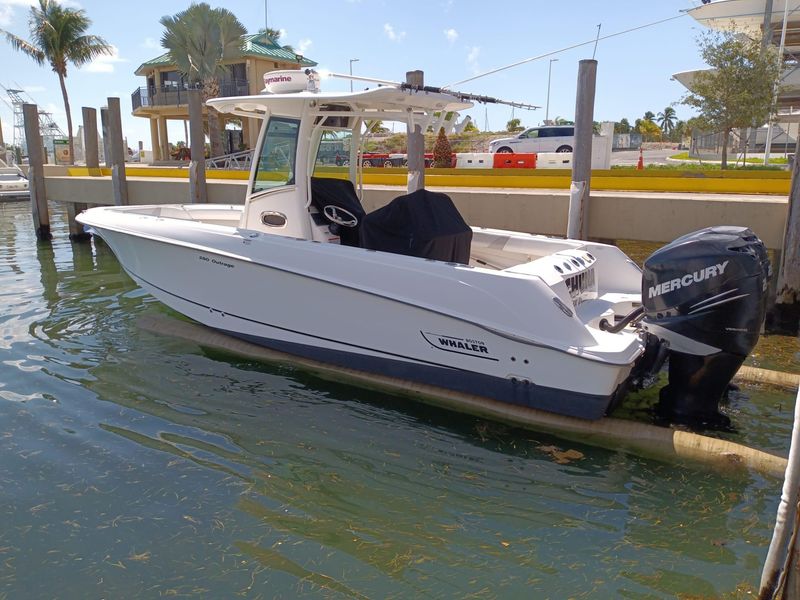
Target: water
{"points": [[134, 465]]}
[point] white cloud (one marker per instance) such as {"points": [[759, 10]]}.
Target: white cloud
{"points": [[151, 44], [7, 8], [394, 36], [55, 110], [105, 63], [451, 35], [6, 14], [472, 58], [65, 3], [303, 46]]}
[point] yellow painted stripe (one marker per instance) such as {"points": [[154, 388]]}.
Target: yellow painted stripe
{"points": [[731, 182]]}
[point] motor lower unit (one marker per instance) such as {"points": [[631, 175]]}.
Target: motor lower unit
{"points": [[705, 295]]}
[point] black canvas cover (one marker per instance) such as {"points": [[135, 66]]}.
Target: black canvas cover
{"points": [[341, 194], [424, 224]]}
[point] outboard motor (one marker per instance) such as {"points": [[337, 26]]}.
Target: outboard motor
{"points": [[705, 294]]}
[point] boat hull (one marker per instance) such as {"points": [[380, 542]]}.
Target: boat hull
{"points": [[325, 317]]}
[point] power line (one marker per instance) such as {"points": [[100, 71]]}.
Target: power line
{"points": [[545, 55]]}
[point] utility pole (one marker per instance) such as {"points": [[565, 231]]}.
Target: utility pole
{"points": [[547, 108], [578, 221]]}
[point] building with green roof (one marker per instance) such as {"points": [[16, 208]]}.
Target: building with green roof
{"points": [[163, 97]]}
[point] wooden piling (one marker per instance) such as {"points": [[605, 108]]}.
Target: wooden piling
{"points": [[104, 131], [783, 317], [197, 166], [33, 139], [90, 150], [416, 142], [578, 220], [117, 153]]}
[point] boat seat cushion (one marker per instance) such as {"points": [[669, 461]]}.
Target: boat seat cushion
{"points": [[341, 194], [424, 224]]}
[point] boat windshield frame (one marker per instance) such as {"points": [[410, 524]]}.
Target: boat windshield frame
{"points": [[275, 164]]}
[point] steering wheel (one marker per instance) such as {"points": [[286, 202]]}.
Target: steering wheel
{"points": [[340, 216]]}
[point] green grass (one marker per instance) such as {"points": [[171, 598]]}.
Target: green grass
{"points": [[696, 166], [780, 160]]}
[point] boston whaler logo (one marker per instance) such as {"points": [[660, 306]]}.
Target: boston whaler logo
{"points": [[688, 279], [459, 345]]}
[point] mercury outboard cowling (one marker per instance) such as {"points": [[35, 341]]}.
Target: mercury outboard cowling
{"points": [[705, 294]]}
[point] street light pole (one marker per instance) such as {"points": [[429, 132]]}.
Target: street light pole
{"points": [[549, 73], [352, 60]]}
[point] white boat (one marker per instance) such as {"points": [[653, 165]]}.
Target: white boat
{"points": [[13, 183], [410, 291]]}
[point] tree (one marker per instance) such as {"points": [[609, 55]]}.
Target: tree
{"points": [[198, 40], [738, 89], [622, 126], [649, 116], [514, 125], [58, 37], [471, 127], [649, 130], [678, 132], [275, 35], [562, 121], [666, 119], [442, 154]]}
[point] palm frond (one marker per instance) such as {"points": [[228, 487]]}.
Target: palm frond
{"points": [[199, 38], [24, 46]]}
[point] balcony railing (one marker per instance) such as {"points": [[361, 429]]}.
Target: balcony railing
{"points": [[176, 95]]}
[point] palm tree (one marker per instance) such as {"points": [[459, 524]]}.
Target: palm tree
{"points": [[198, 40], [667, 120], [275, 35], [58, 37]]}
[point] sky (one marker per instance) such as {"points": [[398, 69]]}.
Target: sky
{"points": [[450, 40]]}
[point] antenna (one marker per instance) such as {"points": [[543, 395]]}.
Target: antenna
{"points": [[436, 90]]}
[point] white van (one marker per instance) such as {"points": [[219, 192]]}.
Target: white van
{"points": [[552, 138]]}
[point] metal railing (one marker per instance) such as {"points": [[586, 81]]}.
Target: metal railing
{"points": [[176, 95], [237, 160]]}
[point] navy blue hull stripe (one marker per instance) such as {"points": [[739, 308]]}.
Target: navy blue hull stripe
{"points": [[573, 404]]}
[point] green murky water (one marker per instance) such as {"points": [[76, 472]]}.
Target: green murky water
{"points": [[134, 465]]}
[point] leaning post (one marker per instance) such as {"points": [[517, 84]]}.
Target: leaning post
{"points": [[578, 221], [33, 139], [119, 182], [416, 141], [197, 166]]}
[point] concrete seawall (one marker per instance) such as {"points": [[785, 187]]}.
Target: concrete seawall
{"points": [[633, 215]]}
